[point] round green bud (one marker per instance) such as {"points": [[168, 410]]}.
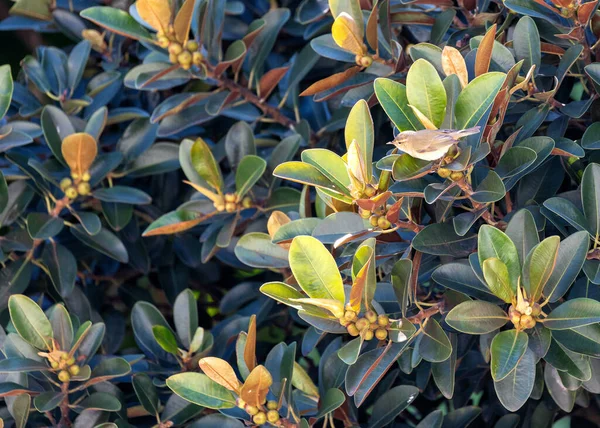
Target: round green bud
{"points": [[71, 193], [272, 405], [383, 223], [64, 183], [74, 370], [444, 172], [192, 45], [175, 48], [251, 410], [84, 188], [64, 376], [273, 416]]}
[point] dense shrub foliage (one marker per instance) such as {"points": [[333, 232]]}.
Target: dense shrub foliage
{"points": [[201, 223]]}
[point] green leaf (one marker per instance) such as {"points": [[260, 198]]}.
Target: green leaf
{"points": [[359, 128], [476, 317], [426, 92], [574, 313], [22, 365], [165, 338], [526, 43], [539, 265], [434, 345], [496, 276], [514, 390], [56, 127], [401, 274], [444, 373], [440, 239], [507, 350], [491, 189], [102, 401], [392, 97], [19, 409], [332, 400], [564, 398], [6, 89], [3, 192], [315, 269], [104, 242], [476, 98], [185, 316], [307, 174], [109, 368], [405, 167], [48, 400], [197, 388], [492, 242], [256, 250], [146, 393], [331, 166], [590, 197], [116, 20], [43, 226], [391, 403], [205, 164], [250, 169], [582, 340], [122, 194], [30, 321], [288, 295], [522, 231]]}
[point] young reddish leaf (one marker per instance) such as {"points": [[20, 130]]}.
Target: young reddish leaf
{"points": [[183, 21], [346, 34], [157, 13], [250, 347], [549, 48], [484, 52], [454, 63], [357, 292], [585, 12], [330, 82], [374, 202], [270, 80], [220, 372], [255, 389], [79, 151], [372, 29]]}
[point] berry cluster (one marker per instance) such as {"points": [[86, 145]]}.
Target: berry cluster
{"points": [[65, 364], [262, 415], [369, 326], [185, 55], [449, 158], [231, 202], [377, 218], [76, 185], [525, 317]]}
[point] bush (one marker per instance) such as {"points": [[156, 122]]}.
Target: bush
{"points": [[201, 223]]}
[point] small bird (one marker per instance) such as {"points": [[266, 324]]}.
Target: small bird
{"points": [[430, 144]]}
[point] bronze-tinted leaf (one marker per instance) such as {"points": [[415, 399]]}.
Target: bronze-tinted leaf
{"points": [[183, 20], [255, 389], [79, 151], [454, 63], [330, 82], [157, 13], [250, 347], [270, 80], [220, 372], [484, 52]]}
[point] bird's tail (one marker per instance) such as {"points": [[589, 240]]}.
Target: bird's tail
{"points": [[465, 132]]}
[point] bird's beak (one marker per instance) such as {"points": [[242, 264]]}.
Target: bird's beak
{"points": [[391, 142]]}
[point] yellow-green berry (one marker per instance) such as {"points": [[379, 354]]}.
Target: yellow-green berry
{"points": [[381, 333], [370, 191], [197, 58], [368, 335], [54, 364], [371, 316], [191, 45], [65, 182], [352, 330], [383, 320], [71, 193], [456, 175], [184, 58], [364, 213], [163, 42], [84, 188], [230, 197], [74, 370], [251, 410], [366, 61], [350, 315], [374, 220], [70, 361], [64, 376], [362, 324], [241, 403], [383, 223], [247, 202], [444, 172], [260, 418], [86, 176], [272, 405], [175, 48], [230, 207], [273, 416]]}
